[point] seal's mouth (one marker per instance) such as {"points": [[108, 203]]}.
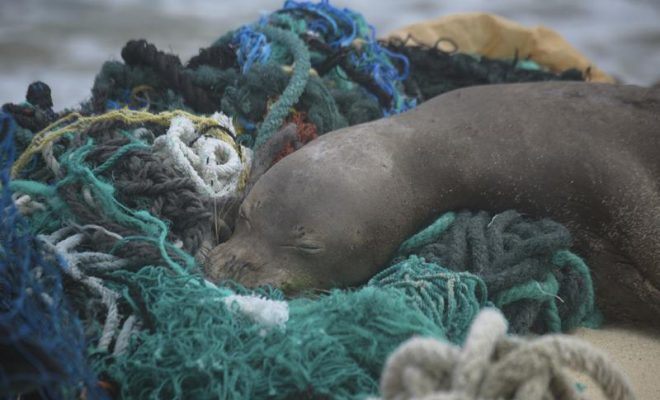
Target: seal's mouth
{"points": [[307, 247], [250, 268], [226, 263]]}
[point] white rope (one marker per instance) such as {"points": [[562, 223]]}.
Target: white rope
{"points": [[213, 164], [131, 326], [26, 205], [494, 366], [50, 160], [63, 242], [270, 313]]}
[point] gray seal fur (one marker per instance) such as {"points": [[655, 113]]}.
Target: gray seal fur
{"points": [[586, 155]]}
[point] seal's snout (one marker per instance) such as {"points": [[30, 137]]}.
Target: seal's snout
{"points": [[232, 266], [251, 267], [226, 263]]}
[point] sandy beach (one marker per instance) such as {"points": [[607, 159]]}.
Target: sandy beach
{"points": [[636, 352]]}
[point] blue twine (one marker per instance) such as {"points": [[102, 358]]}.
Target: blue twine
{"points": [[247, 124], [124, 101], [374, 60], [253, 47], [42, 347], [112, 105], [339, 28], [329, 17], [377, 62]]}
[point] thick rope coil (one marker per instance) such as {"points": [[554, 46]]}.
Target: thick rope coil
{"points": [[213, 164], [530, 273], [492, 365]]}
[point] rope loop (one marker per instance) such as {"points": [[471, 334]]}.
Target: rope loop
{"points": [[492, 365]]}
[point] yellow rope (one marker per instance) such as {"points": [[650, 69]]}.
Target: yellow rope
{"points": [[76, 123]]}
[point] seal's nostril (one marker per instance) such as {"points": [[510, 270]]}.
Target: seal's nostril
{"points": [[231, 266]]}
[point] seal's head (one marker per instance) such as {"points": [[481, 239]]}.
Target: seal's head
{"points": [[263, 254], [272, 245], [285, 237]]}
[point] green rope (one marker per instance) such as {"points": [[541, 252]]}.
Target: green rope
{"points": [[450, 299], [586, 313], [296, 87], [119, 154], [526, 265], [427, 235], [544, 292]]}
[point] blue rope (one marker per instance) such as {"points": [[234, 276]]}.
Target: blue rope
{"points": [[329, 17], [374, 59], [253, 47], [42, 347]]}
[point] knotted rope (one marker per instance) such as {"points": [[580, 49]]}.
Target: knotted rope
{"points": [[64, 243], [526, 264], [117, 204], [75, 123], [492, 365], [214, 165], [450, 299]]}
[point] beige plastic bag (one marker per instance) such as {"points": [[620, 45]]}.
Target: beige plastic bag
{"points": [[496, 37]]}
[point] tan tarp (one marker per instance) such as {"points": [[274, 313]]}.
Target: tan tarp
{"points": [[497, 37]]}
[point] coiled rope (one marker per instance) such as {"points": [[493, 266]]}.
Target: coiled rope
{"points": [[494, 366]]}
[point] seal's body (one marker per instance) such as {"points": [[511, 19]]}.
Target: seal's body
{"points": [[585, 155]]}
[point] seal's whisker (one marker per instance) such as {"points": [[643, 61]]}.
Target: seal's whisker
{"points": [[229, 209], [224, 217], [242, 270]]}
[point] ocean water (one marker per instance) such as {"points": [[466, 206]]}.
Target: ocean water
{"points": [[64, 42]]}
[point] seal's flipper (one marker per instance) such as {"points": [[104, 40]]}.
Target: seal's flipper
{"points": [[622, 292]]}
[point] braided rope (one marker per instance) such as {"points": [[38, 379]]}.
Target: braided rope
{"points": [[75, 123], [214, 165], [63, 243], [492, 365], [296, 85]]}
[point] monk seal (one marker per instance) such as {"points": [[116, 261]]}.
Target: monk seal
{"points": [[586, 155]]}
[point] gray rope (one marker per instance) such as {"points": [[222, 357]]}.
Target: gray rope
{"points": [[492, 365], [131, 326]]}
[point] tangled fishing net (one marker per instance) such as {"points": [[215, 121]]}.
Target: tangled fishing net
{"points": [[108, 210]]}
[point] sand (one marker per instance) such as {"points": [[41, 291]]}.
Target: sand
{"points": [[636, 352]]}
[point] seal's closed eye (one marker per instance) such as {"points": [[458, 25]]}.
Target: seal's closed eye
{"points": [[305, 247]]}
